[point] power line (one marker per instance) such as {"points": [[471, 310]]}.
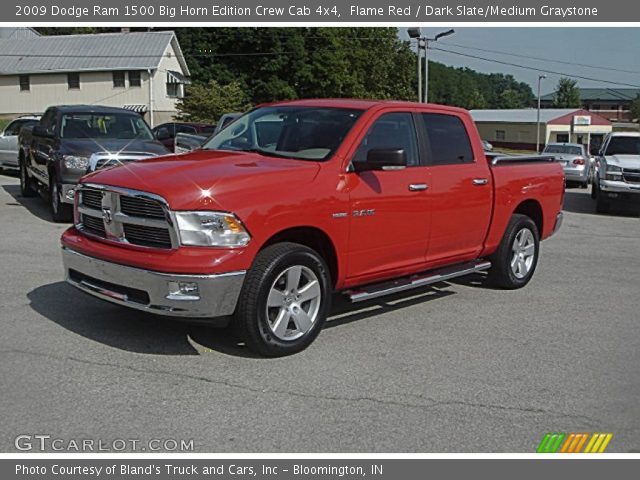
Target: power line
{"points": [[599, 67], [526, 67]]}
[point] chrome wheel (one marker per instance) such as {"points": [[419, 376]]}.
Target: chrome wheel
{"points": [[523, 253], [293, 303]]}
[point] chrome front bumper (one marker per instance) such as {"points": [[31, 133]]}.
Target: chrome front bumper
{"points": [[154, 292], [612, 186]]}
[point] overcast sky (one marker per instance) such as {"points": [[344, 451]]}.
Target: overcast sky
{"points": [[603, 48]]}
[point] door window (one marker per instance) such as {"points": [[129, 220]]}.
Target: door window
{"points": [[447, 138], [391, 131]]}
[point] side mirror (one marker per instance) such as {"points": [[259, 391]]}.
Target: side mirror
{"points": [[163, 134], [383, 159], [40, 131]]}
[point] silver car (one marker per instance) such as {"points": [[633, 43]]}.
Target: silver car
{"points": [[9, 141], [574, 159]]}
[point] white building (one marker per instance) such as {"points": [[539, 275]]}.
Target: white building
{"points": [[141, 71]]}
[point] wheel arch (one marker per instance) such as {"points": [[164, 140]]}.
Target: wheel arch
{"points": [[314, 238], [532, 209]]}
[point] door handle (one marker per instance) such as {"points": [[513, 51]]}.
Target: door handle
{"points": [[417, 187], [480, 181]]}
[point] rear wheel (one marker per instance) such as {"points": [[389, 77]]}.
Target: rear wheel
{"points": [[284, 301], [61, 212], [516, 259], [27, 188]]}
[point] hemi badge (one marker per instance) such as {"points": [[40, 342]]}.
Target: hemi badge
{"points": [[339, 215]]}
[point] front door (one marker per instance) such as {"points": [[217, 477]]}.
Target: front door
{"points": [[388, 208]]}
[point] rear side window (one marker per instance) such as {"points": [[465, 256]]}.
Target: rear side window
{"points": [[447, 138], [391, 131]]}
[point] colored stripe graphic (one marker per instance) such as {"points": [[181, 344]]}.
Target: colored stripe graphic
{"points": [[573, 442]]}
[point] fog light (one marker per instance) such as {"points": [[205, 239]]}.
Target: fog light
{"points": [[71, 193], [183, 291]]}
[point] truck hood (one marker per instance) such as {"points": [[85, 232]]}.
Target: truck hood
{"points": [[624, 161], [208, 179], [86, 146]]}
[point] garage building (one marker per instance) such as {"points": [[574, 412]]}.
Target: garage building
{"points": [[516, 128]]}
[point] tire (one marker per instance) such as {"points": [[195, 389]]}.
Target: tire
{"points": [[584, 184], [27, 187], [262, 327], [594, 188], [521, 234], [602, 204], [60, 212]]}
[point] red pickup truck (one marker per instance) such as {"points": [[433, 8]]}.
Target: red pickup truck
{"points": [[297, 200]]}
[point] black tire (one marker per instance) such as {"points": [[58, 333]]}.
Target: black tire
{"points": [[602, 204], [584, 184], [594, 187], [251, 321], [501, 273], [60, 212], [27, 187]]}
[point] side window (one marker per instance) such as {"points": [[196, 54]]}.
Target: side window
{"points": [[14, 128], [185, 129], [48, 120], [447, 138], [391, 131]]}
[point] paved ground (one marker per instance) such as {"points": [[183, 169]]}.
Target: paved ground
{"points": [[456, 368]]}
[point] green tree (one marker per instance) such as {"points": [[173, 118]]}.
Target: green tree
{"points": [[509, 99], [207, 102], [567, 94], [635, 107]]}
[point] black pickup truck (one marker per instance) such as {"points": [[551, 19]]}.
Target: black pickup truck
{"points": [[71, 141]]}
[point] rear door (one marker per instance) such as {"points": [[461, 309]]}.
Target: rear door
{"points": [[460, 191], [388, 208]]}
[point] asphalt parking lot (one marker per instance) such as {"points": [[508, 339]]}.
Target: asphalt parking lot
{"points": [[459, 367]]}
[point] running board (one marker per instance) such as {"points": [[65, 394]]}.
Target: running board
{"points": [[376, 290]]}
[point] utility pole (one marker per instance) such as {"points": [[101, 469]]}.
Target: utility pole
{"points": [[540, 78], [423, 44]]}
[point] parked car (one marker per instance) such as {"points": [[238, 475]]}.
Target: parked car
{"points": [[225, 120], [574, 159], [617, 174], [70, 141], [166, 132], [487, 146], [296, 200], [187, 142], [9, 141]]}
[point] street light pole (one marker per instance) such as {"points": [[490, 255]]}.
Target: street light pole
{"points": [[540, 78], [419, 52], [426, 69], [423, 44]]}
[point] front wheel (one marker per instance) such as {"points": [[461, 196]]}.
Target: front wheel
{"points": [[60, 211], [284, 301], [516, 259]]}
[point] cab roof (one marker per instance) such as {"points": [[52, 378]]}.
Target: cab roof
{"points": [[358, 104]]}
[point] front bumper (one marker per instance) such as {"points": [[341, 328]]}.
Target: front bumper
{"points": [[615, 187], [154, 292]]}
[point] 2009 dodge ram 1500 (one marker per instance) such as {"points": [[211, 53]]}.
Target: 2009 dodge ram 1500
{"points": [[299, 199]]}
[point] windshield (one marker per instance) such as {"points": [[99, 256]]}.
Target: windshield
{"points": [[104, 125], [305, 133], [623, 146], [567, 149]]}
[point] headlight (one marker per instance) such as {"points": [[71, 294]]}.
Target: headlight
{"points": [[613, 172], [77, 163], [213, 229]]}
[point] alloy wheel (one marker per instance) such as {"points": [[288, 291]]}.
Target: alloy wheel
{"points": [[523, 251]]}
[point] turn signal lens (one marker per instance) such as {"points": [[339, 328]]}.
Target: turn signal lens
{"points": [[578, 161]]}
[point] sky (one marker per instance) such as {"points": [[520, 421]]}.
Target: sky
{"points": [[604, 50]]}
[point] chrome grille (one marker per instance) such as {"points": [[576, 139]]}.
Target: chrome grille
{"points": [[631, 175], [109, 159], [125, 216], [140, 207], [92, 199], [147, 236], [93, 225]]}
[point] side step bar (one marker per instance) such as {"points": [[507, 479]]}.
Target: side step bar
{"points": [[376, 290]]}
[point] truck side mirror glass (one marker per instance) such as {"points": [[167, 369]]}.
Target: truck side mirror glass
{"points": [[382, 159], [40, 131]]}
